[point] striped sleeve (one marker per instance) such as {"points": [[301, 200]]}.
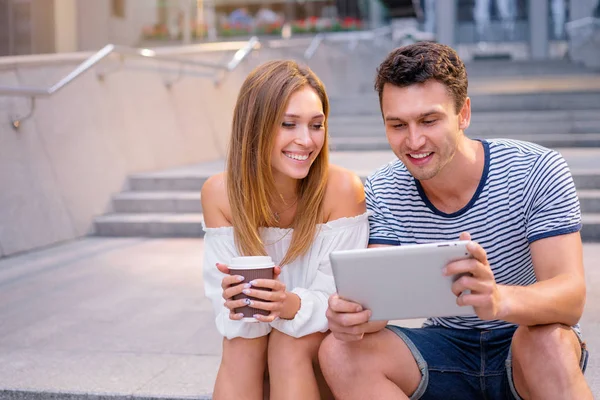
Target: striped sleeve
{"points": [[380, 231], [552, 206]]}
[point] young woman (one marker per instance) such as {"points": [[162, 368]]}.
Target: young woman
{"points": [[279, 197]]}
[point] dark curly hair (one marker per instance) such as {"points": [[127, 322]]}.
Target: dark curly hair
{"points": [[420, 62]]}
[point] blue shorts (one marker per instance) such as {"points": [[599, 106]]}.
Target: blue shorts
{"points": [[464, 363]]}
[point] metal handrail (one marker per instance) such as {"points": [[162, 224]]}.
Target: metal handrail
{"points": [[123, 51], [582, 22], [580, 30], [352, 37]]}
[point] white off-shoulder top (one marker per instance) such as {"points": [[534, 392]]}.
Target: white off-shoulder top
{"points": [[308, 276]]}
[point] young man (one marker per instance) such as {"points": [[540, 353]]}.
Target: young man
{"points": [[517, 202]]}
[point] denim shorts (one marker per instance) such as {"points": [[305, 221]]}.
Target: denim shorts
{"points": [[464, 363]]}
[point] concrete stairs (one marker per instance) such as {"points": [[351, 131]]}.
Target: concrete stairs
{"points": [[167, 203], [156, 206]]}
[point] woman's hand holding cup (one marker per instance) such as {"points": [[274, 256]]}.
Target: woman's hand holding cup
{"points": [[268, 295], [251, 289]]}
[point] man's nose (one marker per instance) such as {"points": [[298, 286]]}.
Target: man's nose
{"points": [[415, 139]]}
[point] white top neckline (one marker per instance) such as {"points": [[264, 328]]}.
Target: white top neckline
{"points": [[268, 230]]}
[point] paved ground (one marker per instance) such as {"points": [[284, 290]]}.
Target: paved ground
{"points": [[128, 317]]}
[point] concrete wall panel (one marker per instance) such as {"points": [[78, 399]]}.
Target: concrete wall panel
{"points": [[32, 209]]}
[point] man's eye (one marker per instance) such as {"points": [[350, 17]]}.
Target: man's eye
{"points": [[288, 124], [398, 126], [429, 121]]}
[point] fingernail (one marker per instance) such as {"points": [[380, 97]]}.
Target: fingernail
{"points": [[239, 278], [252, 283], [240, 315], [358, 309], [247, 285], [257, 315], [248, 301], [246, 291], [444, 270]]}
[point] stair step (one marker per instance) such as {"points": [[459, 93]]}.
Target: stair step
{"points": [[591, 227], [559, 101], [166, 184], [157, 202], [150, 225], [590, 200]]}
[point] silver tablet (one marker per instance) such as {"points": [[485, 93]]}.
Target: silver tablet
{"points": [[400, 282]]}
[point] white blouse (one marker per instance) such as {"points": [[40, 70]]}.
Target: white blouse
{"points": [[308, 276]]}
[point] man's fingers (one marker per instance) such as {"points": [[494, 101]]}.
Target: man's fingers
{"points": [[339, 305], [348, 320], [344, 337], [473, 284], [469, 266], [477, 252]]}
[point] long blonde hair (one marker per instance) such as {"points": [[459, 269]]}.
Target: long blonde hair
{"points": [[259, 110]]}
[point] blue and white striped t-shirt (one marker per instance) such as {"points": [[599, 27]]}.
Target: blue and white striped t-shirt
{"points": [[526, 193]]}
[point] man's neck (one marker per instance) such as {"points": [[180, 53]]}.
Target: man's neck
{"points": [[457, 182]]}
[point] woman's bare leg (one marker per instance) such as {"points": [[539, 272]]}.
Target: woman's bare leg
{"points": [[292, 366], [242, 369]]}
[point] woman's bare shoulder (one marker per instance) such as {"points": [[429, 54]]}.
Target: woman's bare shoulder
{"points": [[215, 203], [345, 195]]}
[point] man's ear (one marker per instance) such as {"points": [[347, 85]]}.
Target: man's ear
{"points": [[464, 116]]}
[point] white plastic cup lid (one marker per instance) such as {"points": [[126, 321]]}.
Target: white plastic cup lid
{"points": [[252, 262]]}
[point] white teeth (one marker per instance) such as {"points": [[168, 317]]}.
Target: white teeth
{"points": [[296, 156], [422, 155]]}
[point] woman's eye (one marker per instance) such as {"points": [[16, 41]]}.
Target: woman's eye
{"points": [[318, 126], [288, 124], [398, 126]]}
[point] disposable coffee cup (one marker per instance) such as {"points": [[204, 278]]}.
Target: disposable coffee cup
{"points": [[256, 267]]}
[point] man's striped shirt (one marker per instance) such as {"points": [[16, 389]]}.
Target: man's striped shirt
{"points": [[526, 193]]}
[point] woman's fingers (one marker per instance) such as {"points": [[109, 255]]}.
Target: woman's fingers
{"points": [[272, 284], [235, 317], [231, 280], [223, 268], [267, 318], [231, 291], [233, 304], [265, 294]]}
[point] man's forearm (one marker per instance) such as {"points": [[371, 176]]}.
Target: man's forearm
{"points": [[556, 300]]}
